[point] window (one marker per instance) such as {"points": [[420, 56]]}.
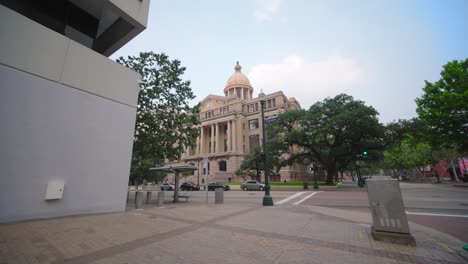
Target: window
{"points": [[245, 93], [204, 170], [269, 104], [254, 141], [253, 124], [222, 165], [224, 110], [274, 102], [252, 107], [238, 92]]}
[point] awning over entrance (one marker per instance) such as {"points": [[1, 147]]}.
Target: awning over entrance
{"points": [[175, 168]]}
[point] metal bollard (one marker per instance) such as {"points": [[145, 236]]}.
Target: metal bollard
{"points": [[139, 199], [148, 197], [160, 199], [219, 196]]}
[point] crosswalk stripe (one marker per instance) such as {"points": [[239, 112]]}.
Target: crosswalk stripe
{"points": [[307, 197], [289, 198], [435, 214]]}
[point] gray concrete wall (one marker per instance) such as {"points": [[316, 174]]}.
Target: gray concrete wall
{"points": [[51, 131], [66, 113]]}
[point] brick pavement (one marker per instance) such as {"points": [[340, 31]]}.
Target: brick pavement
{"points": [[229, 233]]}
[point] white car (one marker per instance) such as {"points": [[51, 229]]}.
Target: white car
{"points": [[252, 185], [167, 187]]}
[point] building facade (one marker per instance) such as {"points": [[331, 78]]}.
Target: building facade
{"points": [[67, 110], [231, 126]]}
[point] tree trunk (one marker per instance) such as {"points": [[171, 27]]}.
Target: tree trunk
{"points": [[331, 174], [454, 171]]}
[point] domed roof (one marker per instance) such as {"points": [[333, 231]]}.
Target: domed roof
{"points": [[238, 78]]}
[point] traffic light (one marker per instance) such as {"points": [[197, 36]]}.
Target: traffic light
{"points": [[364, 153]]}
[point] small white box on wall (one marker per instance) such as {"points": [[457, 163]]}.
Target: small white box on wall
{"points": [[54, 190]]}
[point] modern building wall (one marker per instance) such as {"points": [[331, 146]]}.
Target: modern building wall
{"points": [[68, 114]]}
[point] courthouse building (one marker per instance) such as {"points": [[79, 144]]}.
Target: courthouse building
{"points": [[231, 127]]}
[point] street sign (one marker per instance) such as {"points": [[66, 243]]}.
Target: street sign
{"points": [[271, 120], [205, 162]]}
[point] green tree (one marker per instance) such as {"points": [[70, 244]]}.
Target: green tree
{"points": [[444, 106], [410, 153], [164, 120], [251, 165], [334, 132]]}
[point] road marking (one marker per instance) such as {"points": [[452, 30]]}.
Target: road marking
{"points": [[289, 198], [307, 197], [432, 214]]}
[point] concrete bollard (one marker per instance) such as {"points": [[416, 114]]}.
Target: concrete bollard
{"points": [[139, 199], [160, 199], [219, 196], [148, 197]]}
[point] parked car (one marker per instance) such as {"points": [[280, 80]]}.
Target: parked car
{"points": [[167, 187], [189, 186], [215, 185], [252, 185]]}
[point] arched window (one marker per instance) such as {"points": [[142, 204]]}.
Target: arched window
{"points": [[222, 165]]}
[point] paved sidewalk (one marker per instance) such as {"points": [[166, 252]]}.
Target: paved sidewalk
{"points": [[228, 233]]}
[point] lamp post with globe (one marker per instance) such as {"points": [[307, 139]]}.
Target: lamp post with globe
{"points": [[267, 199]]}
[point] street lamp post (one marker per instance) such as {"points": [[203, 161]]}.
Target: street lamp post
{"points": [[267, 199]]}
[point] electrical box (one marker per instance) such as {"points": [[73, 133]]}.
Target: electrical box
{"points": [[388, 211], [54, 190]]}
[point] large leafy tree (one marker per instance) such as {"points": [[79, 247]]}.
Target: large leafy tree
{"points": [[410, 153], [413, 149], [165, 120], [444, 106], [334, 133], [251, 165], [278, 150]]}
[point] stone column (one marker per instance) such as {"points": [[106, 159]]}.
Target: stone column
{"points": [[212, 138], [197, 152], [202, 141], [228, 135], [234, 135], [217, 137]]}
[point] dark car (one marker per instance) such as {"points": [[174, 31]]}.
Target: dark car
{"points": [[215, 185], [189, 186]]}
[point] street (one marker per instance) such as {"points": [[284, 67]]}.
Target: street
{"points": [[439, 206]]}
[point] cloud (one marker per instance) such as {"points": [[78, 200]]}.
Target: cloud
{"points": [[309, 82], [265, 10]]}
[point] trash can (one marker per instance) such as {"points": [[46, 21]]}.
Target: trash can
{"points": [[306, 185], [219, 196]]}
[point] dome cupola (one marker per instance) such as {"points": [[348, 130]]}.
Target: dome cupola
{"points": [[238, 84]]}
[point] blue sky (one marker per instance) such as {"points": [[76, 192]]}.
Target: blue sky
{"points": [[377, 51]]}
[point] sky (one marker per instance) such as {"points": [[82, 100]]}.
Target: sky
{"points": [[378, 51]]}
